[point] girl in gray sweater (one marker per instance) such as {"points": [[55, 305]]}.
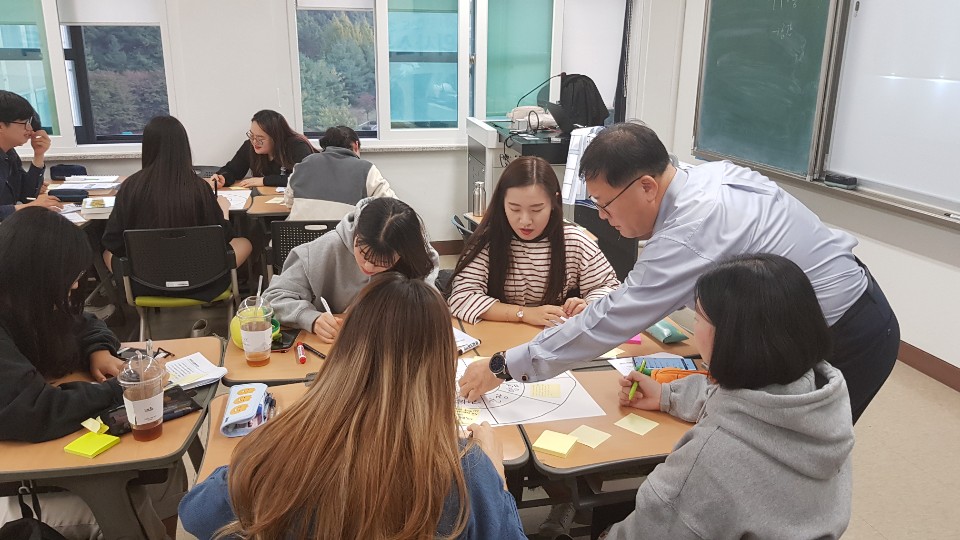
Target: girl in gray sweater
{"points": [[770, 454], [381, 234]]}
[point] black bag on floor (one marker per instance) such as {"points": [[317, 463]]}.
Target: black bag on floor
{"points": [[28, 527]]}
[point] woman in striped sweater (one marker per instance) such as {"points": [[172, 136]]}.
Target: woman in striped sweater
{"points": [[542, 271]]}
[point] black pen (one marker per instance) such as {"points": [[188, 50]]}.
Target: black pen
{"points": [[314, 351]]}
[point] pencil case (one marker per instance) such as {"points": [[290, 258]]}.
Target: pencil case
{"points": [[665, 332], [69, 195], [248, 407], [665, 375]]}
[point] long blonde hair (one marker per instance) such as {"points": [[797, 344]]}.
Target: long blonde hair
{"points": [[371, 451]]}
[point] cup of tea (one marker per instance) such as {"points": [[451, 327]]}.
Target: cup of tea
{"points": [[256, 330], [142, 383]]}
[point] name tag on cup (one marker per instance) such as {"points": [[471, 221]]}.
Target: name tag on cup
{"points": [[178, 284]]}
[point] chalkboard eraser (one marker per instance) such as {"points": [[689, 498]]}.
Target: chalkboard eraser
{"points": [[840, 181]]}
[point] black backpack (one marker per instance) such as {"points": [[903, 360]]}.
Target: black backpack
{"points": [[28, 527]]}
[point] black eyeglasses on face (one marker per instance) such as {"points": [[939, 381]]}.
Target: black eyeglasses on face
{"points": [[622, 191], [28, 123]]}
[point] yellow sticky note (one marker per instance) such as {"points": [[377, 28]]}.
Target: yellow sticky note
{"points": [[91, 444], [555, 444], [636, 424], [589, 436], [275, 200], [545, 390], [187, 379], [467, 416], [94, 425], [238, 187], [613, 353]]}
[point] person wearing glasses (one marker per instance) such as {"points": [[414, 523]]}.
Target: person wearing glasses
{"points": [[692, 219], [271, 150], [335, 174], [19, 188]]}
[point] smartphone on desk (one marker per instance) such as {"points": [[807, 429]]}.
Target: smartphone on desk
{"points": [[286, 341]]}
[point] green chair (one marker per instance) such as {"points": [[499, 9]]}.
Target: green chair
{"points": [[163, 268]]}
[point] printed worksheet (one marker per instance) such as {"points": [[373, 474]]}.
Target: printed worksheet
{"points": [[514, 402]]}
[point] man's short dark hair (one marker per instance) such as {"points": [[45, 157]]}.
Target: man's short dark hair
{"points": [[623, 152], [769, 325], [13, 107]]}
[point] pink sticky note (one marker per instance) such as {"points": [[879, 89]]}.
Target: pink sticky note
{"points": [[636, 339]]}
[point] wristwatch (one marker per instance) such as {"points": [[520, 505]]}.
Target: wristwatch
{"points": [[520, 314], [498, 365]]}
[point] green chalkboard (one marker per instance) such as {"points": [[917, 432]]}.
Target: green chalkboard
{"points": [[760, 81]]}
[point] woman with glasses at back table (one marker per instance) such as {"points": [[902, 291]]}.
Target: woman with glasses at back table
{"points": [[271, 150]]}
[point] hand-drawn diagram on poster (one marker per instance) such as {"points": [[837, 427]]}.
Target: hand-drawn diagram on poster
{"points": [[515, 402]]}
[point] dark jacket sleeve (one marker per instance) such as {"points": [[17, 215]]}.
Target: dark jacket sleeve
{"points": [[33, 410], [298, 149], [237, 168], [95, 336], [206, 507], [27, 183]]}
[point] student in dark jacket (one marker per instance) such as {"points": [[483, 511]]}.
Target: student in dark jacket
{"points": [[43, 334], [271, 150], [166, 193], [17, 187]]}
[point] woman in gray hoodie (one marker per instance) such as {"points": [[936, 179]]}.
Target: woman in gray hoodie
{"points": [[381, 234], [770, 454]]}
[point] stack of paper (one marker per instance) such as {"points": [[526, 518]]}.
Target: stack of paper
{"points": [[193, 371], [88, 179]]}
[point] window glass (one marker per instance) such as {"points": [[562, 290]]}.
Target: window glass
{"points": [[24, 62], [518, 56], [119, 77], [337, 70], [423, 63]]}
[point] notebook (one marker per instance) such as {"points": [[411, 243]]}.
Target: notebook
{"points": [[465, 342]]}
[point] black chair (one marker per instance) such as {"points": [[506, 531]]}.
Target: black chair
{"points": [[286, 235], [461, 228], [173, 263]]}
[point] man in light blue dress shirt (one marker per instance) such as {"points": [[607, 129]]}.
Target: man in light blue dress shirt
{"points": [[693, 219]]}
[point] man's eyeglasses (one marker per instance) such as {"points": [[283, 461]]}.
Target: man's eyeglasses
{"points": [[253, 138], [603, 207], [27, 124]]}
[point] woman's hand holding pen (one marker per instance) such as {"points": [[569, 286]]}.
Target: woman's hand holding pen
{"points": [[217, 179], [104, 365], [574, 306], [647, 394], [544, 315], [326, 327]]}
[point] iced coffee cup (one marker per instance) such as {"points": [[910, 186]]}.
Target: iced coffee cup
{"points": [[256, 330], [142, 383]]}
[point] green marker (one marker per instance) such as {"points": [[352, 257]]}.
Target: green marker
{"points": [[640, 368]]}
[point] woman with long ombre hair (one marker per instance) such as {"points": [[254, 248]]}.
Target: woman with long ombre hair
{"points": [[372, 450]]}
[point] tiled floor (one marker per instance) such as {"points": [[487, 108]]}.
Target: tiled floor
{"points": [[906, 463]]}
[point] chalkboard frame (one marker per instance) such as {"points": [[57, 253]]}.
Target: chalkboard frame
{"points": [[820, 129]]}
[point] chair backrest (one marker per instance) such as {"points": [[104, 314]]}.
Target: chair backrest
{"points": [[178, 260], [287, 235], [464, 231]]}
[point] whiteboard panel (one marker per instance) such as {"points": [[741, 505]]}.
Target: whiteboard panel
{"points": [[897, 121]]}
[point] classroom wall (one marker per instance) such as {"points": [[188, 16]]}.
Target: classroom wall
{"points": [[917, 264], [592, 40]]}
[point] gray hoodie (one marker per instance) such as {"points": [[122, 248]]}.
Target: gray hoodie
{"points": [[324, 268], [768, 463]]}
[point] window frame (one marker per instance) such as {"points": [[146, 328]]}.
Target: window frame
{"points": [[386, 135]]}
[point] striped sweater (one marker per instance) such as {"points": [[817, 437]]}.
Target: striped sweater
{"points": [[526, 280]]}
